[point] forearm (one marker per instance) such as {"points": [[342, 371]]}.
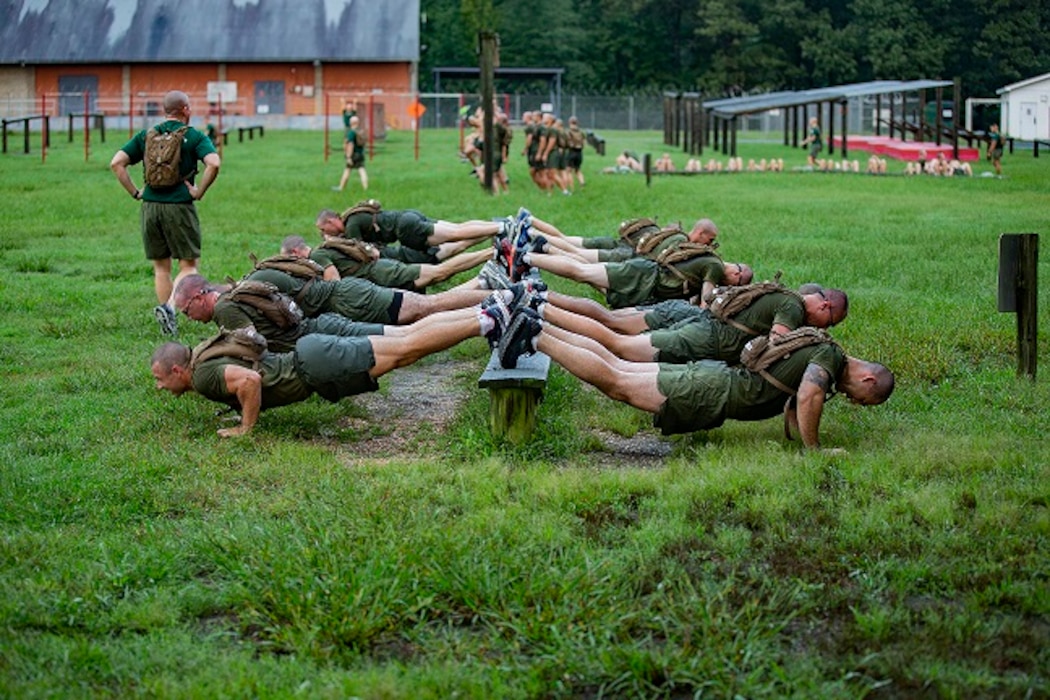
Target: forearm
{"points": [[210, 173], [810, 404], [124, 178]]}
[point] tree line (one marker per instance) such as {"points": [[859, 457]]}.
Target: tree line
{"points": [[727, 47]]}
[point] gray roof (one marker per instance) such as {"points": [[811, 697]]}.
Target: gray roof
{"points": [[736, 106], [146, 31]]}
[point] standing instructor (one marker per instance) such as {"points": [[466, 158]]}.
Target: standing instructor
{"points": [[170, 227]]}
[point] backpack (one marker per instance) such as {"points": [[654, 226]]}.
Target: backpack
{"points": [[294, 265], [633, 229], [354, 249], [727, 302], [576, 138], [761, 352], [242, 343], [278, 308], [649, 240], [670, 257], [368, 206], [163, 157]]}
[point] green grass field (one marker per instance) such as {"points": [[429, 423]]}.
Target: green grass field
{"points": [[143, 556]]}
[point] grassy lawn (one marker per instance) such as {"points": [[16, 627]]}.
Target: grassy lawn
{"points": [[141, 555]]}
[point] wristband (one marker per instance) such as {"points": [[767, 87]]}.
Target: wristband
{"points": [[137, 194]]}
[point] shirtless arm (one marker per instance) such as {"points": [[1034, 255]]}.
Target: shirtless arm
{"points": [[246, 384], [811, 394]]}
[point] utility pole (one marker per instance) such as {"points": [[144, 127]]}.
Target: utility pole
{"points": [[489, 58]]}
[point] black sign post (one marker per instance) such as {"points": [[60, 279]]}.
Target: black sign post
{"points": [[1019, 291]]}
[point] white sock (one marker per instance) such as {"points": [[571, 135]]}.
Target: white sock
{"points": [[486, 321]]}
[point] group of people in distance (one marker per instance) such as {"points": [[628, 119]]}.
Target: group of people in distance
{"points": [[939, 166], [655, 344], [553, 149]]}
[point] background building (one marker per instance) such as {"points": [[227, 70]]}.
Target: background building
{"points": [[1026, 109], [282, 57]]}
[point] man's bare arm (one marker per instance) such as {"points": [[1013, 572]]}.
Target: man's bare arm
{"points": [[811, 395], [246, 384]]}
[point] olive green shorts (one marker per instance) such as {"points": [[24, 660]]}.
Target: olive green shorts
{"points": [[697, 395], [670, 312], [335, 367], [171, 230], [686, 341], [361, 300], [632, 282]]}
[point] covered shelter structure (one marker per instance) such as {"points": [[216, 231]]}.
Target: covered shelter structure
{"points": [[720, 118]]}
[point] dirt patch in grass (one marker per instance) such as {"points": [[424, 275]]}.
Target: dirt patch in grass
{"points": [[417, 403]]}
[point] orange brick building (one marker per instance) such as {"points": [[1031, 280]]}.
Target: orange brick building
{"points": [[283, 58]]}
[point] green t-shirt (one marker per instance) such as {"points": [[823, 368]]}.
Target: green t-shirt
{"points": [[359, 144], [702, 268], [312, 302], [669, 242], [753, 398], [195, 146], [360, 226], [702, 395], [231, 315], [281, 384], [384, 271], [760, 316]]}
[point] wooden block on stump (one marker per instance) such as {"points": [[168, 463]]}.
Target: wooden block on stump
{"points": [[514, 394]]}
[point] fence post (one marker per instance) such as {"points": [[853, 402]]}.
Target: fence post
{"points": [[1018, 292]]}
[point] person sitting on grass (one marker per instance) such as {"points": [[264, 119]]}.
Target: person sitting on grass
{"points": [[664, 164], [703, 395], [333, 367]]}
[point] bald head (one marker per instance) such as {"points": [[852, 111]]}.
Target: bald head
{"points": [[169, 355], [175, 102], [866, 383], [703, 232]]}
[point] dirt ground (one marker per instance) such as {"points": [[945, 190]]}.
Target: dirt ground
{"points": [[418, 402]]}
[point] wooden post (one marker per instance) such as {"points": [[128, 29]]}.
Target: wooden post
{"points": [[1019, 292], [845, 126], [487, 41], [515, 395]]}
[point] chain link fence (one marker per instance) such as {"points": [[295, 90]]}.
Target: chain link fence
{"points": [[442, 110]]}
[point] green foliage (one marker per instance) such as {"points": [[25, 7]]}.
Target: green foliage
{"points": [[614, 45], [141, 555]]}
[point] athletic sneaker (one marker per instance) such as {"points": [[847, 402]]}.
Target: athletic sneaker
{"points": [[165, 316], [538, 244], [526, 296], [495, 307], [524, 215], [493, 276], [517, 341], [523, 236], [519, 269]]}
